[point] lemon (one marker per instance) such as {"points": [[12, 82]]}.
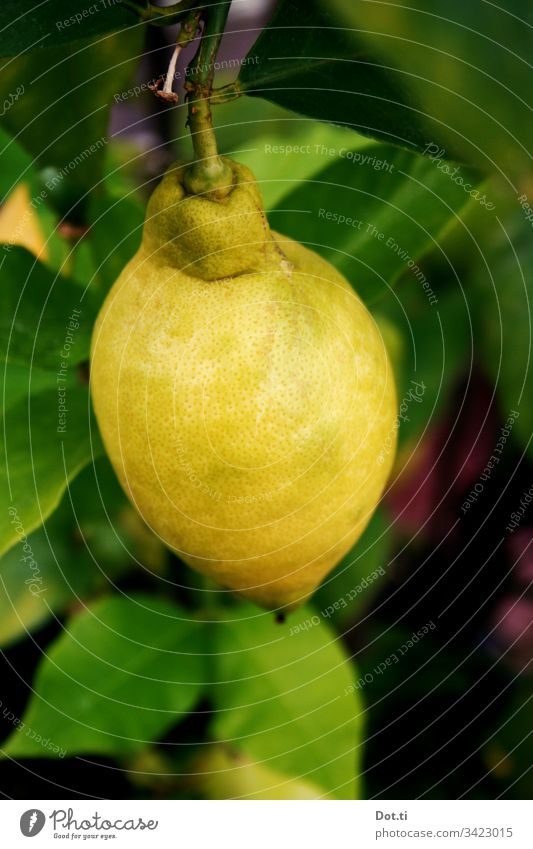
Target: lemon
{"points": [[244, 394]]}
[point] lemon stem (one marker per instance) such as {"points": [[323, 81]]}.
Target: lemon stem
{"points": [[208, 174], [160, 15]]}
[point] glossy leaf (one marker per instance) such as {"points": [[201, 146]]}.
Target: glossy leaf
{"points": [[19, 381], [285, 698], [283, 161], [348, 591], [45, 319], [502, 315], [114, 236], [27, 25], [468, 65]]}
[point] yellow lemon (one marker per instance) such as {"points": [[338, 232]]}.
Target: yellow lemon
{"points": [[243, 393]]}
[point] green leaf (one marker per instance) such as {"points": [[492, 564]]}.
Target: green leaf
{"points": [[349, 590], [46, 440], [286, 699], [114, 236], [374, 214], [468, 65], [306, 61], [92, 539], [45, 320], [502, 317], [122, 673], [295, 156], [27, 25], [437, 343]]}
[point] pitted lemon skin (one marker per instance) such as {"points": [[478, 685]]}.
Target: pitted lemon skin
{"points": [[245, 412]]}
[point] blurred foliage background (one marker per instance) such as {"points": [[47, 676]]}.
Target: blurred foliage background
{"points": [[409, 673]]}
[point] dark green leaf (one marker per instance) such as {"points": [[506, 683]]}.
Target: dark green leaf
{"points": [[123, 672], [62, 117], [502, 316], [349, 590], [91, 539], [285, 697], [468, 64], [15, 164], [45, 320], [306, 61], [437, 342], [17, 172]]}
